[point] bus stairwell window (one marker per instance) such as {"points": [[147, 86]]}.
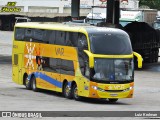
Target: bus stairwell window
{"points": [[15, 59]]}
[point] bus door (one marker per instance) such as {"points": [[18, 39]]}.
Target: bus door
{"points": [[17, 68], [83, 86], [83, 62]]}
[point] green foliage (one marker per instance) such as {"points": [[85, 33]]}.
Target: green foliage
{"points": [[153, 4]]}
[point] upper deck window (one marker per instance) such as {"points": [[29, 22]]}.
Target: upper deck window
{"points": [[19, 34]]}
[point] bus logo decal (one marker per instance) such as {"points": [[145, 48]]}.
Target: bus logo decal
{"points": [[30, 56], [59, 51]]}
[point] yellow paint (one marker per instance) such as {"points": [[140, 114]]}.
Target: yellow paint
{"points": [[108, 90], [139, 58], [44, 85], [92, 56]]}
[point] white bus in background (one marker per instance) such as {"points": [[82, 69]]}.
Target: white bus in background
{"points": [[129, 16], [126, 16], [141, 15], [97, 15], [22, 19]]}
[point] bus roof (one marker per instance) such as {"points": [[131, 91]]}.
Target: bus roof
{"points": [[68, 26]]}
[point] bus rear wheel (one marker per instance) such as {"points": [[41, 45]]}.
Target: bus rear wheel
{"points": [[75, 93], [67, 91], [33, 85], [113, 100], [27, 83]]}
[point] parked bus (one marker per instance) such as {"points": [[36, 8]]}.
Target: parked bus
{"points": [[77, 60]]}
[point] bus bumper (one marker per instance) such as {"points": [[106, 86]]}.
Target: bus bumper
{"points": [[111, 90]]}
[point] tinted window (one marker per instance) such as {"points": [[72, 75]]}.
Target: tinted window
{"points": [[19, 33], [60, 38], [48, 36], [67, 67], [51, 36], [111, 44], [82, 42], [39, 35], [55, 65], [62, 66], [28, 34], [66, 38], [33, 35], [69, 39], [83, 58], [73, 38]]}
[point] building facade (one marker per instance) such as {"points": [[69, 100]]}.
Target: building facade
{"points": [[48, 10]]}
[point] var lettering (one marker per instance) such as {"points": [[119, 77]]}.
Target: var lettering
{"points": [[59, 51], [119, 87]]}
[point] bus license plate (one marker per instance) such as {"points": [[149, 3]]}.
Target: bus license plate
{"points": [[113, 95]]}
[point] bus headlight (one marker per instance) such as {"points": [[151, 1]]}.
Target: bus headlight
{"points": [[97, 88], [130, 88], [94, 87]]}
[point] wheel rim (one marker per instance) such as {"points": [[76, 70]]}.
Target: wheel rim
{"points": [[26, 82], [34, 84], [67, 90], [76, 92]]}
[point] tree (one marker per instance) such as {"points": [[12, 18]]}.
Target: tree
{"points": [[153, 4]]}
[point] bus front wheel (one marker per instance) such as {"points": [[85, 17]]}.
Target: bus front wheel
{"points": [[33, 85]]}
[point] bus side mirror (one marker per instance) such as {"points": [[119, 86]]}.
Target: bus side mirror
{"points": [[91, 58], [139, 59]]}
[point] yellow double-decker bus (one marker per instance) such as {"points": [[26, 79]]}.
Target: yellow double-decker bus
{"points": [[77, 60]]}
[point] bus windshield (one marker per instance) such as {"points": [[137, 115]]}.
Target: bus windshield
{"points": [[113, 69], [110, 44]]}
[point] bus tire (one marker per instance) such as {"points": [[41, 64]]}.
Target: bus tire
{"points": [[27, 83], [75, 93], [67, 91], [113, 100], [33, 85]]}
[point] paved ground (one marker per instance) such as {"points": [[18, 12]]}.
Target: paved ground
{"points": [[15, 97], [6, 43]]}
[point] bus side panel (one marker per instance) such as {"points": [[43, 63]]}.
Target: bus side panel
{"points": [[83, 85], [82, 82], [15, 74], [48, 80]]}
